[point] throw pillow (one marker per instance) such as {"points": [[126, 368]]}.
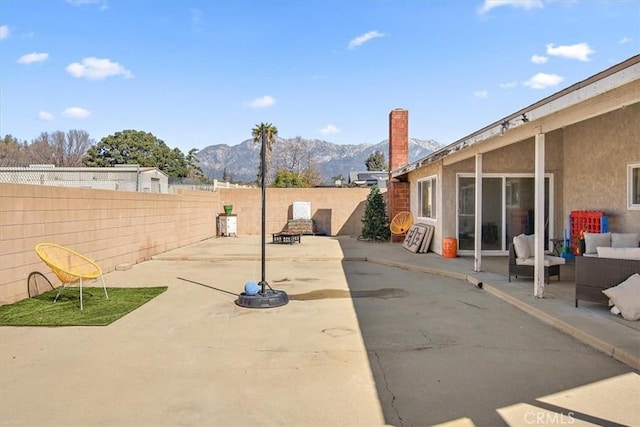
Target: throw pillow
{"points": [[626, 296], [531, 241], [625, 240], [521, 245], [593, 240]]}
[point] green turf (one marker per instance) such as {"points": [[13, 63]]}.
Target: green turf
{"points": [[98, 311]]}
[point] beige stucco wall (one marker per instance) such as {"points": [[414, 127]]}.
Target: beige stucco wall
{"points": [[513, 159], [414, 203], [115, 227], [597, 152]]}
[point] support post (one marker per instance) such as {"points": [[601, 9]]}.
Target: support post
{"points": [[538, 222], [477, 243]]}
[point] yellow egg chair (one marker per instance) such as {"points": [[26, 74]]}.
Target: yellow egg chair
{"points": [[401, 223], [69, 266]]}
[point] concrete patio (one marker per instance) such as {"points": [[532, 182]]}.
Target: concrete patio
{"points": [[367, 339]]}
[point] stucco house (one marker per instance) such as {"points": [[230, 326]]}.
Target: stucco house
{"points": [[576, 150]]}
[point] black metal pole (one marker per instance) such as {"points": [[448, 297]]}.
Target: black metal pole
{"points": [[263, 170]]}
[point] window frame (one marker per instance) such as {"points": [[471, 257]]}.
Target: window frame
{"points": [[630, 190], [433, 197]]}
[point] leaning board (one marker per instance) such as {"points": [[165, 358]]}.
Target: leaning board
{"points": [[415, 236], [426, 241]]}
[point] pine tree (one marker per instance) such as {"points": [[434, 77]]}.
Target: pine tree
{"points": [[375, 223]]}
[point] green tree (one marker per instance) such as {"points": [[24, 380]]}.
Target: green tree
{"points": [[137, 147], [13, 152], [271, 133], [285, 179], [225, 176], [194, 170], [375, 223], [376, 162]]}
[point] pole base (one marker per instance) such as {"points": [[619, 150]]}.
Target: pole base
{"points": [[269, 298]]}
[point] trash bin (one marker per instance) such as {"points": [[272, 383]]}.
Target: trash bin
{"points": [[228, 209], [449, 247]]}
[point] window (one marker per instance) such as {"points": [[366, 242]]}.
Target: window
{"points": [[633, 185], [427, 197]]}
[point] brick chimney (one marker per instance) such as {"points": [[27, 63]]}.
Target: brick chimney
{"points": [[398, 192], [398, 138]]}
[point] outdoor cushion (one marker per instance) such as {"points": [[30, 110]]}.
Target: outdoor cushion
{"points": [[625, 240], [626, 296], [548, 261], [593, 240], [618, 253], [522, 247]]}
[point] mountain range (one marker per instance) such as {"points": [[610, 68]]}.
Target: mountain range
{"points": [[328, 159]]}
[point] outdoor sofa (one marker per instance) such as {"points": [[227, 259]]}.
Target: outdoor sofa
{"points": [[608, 260]]}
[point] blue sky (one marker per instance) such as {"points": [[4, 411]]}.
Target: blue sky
{"points": [[196, 73]]}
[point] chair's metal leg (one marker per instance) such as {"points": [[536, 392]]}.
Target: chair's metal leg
{"points": [[59, 291], [81, 307], [104, 286]]}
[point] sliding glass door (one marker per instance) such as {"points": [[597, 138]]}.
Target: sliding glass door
{"points": [[507, 210]]}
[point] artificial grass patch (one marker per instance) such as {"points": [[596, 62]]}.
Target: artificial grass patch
{"points": [[98, 311]]}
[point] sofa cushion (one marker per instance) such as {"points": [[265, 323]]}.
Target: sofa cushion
{"points": [[548, 261], [625, 240], [618, 253], [593, 240], [626, 296], [521, 246]]}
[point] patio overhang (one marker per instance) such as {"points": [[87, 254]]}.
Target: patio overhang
{"points": [[604, 92]]}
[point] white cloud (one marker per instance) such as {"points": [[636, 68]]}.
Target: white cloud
{"points": [[97, 69], [329, 130], [45, 116], [543, 80], [625, 40], [539, 59], [30, 58], [524, 4], [262, 102], [4, 32], [362, 39], [103, 3], [481, 94], [76, 113], [508, 85], [580, 51]]}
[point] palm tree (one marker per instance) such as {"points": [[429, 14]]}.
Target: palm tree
{"points": [[271, 133]]}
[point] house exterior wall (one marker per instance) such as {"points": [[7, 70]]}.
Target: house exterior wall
{"points": [[116, 227], [439, 222], [588, 161], [515, 158], [149, 180], [153, 181], [596, 153]]}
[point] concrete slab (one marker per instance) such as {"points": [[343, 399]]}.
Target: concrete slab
{"points": [[360, 343]]}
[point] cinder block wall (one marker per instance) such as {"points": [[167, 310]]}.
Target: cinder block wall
{"points": [[335, 211], [117, 227], [110, 227]]}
